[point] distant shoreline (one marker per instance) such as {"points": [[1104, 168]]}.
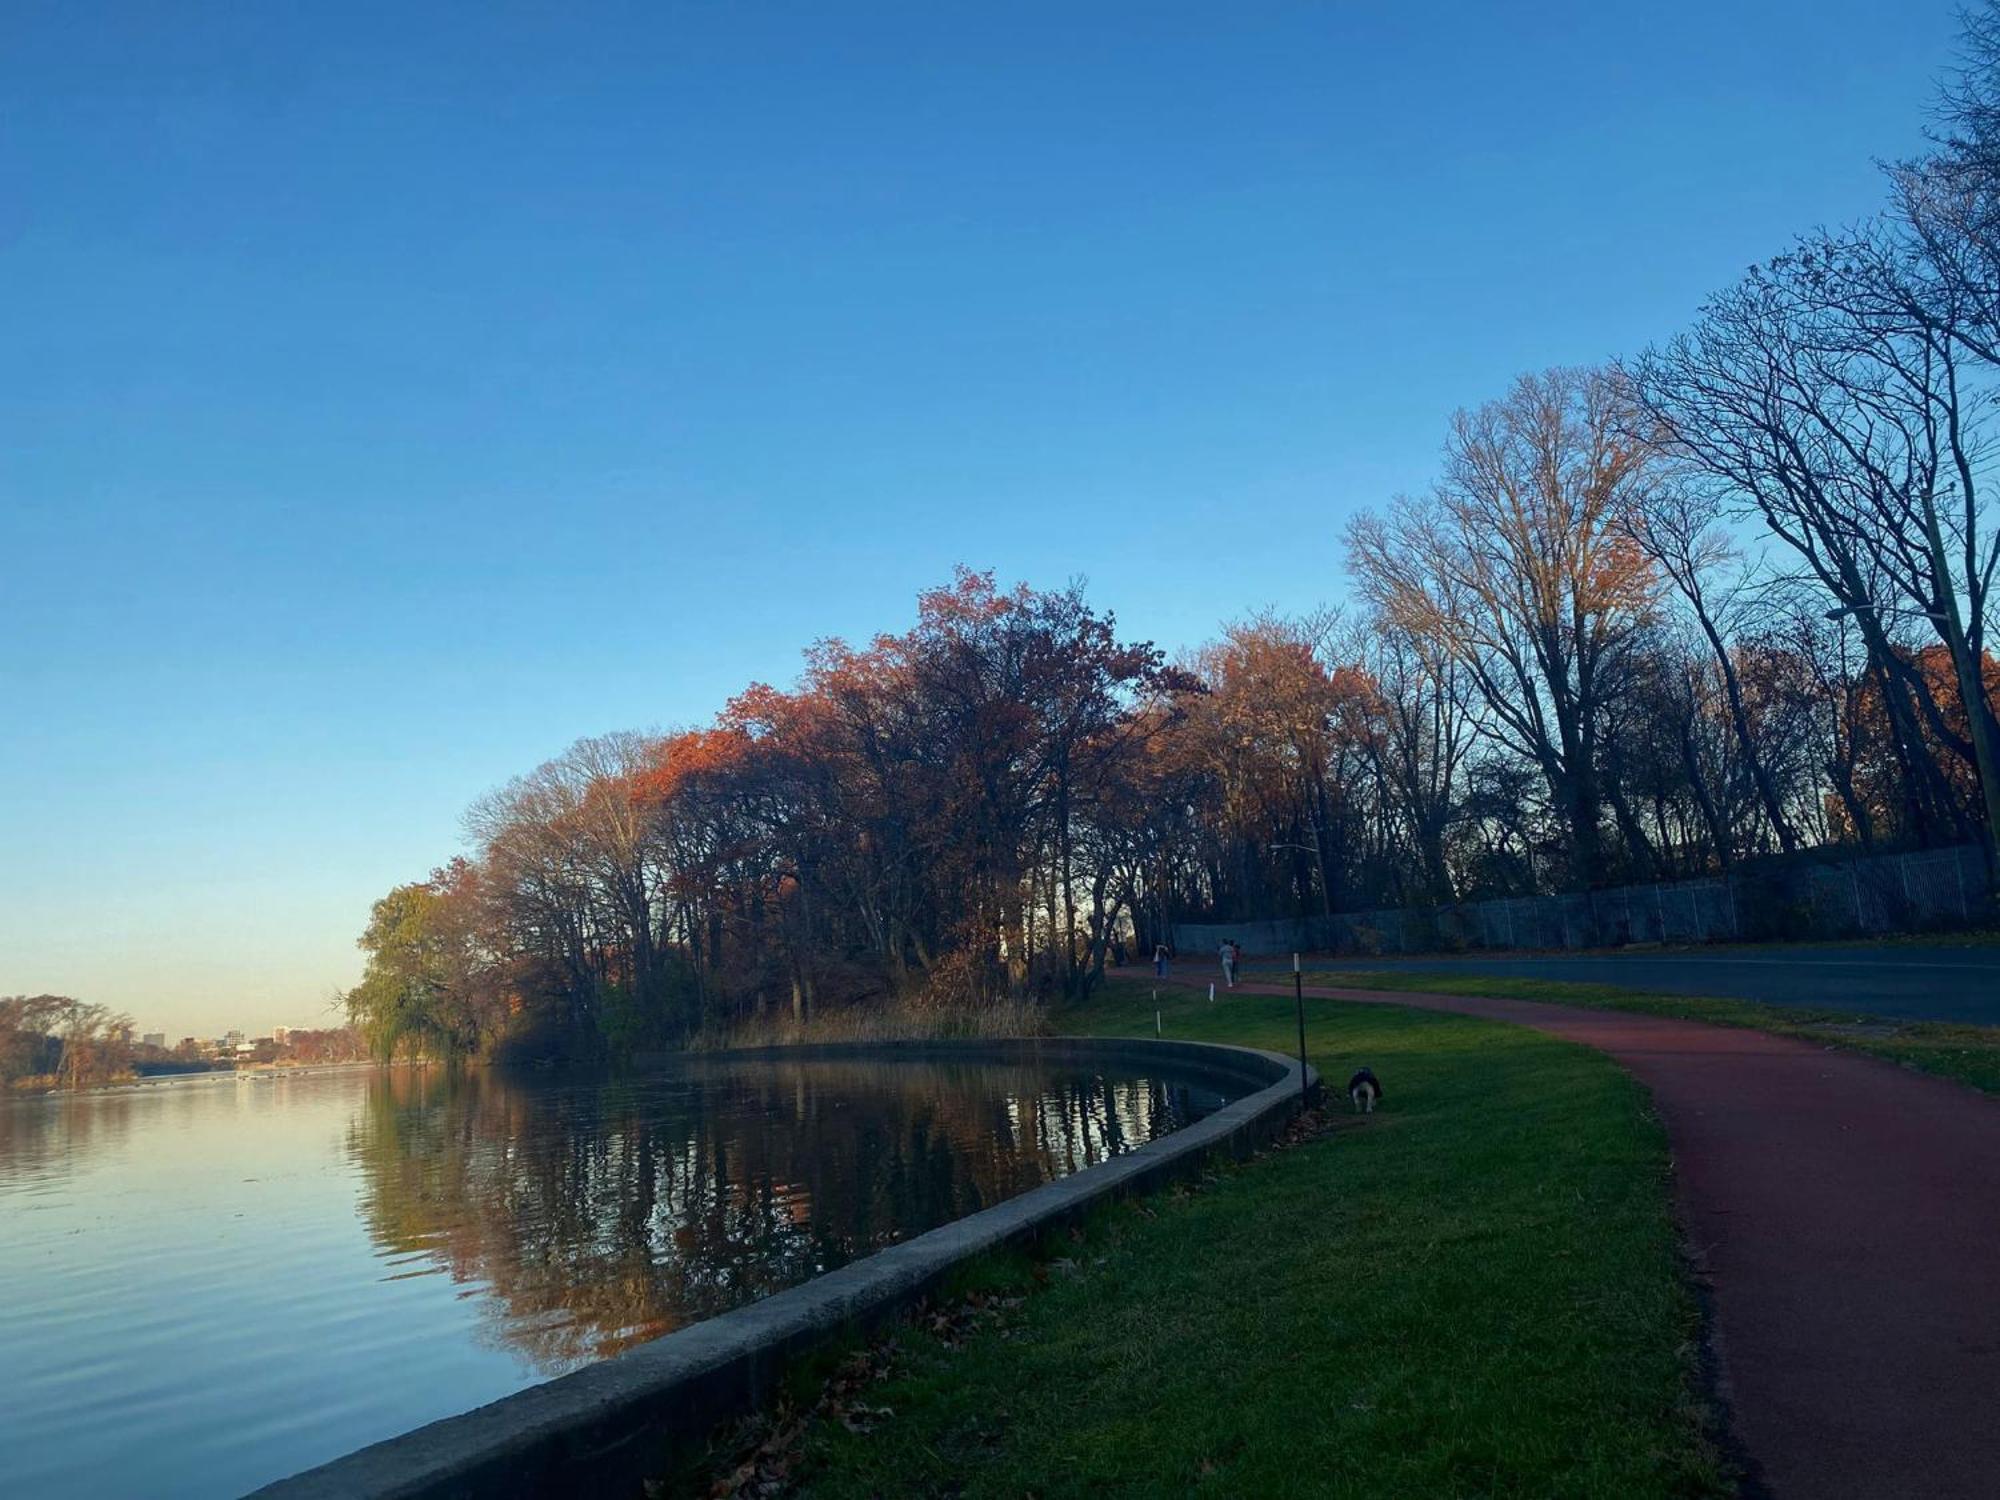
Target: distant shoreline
{"points": [[209, 1076]]}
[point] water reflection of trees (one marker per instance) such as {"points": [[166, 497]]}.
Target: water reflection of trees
{"points": [[42, 1136], [594, 1217]]}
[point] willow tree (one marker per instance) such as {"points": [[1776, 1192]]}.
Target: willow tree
{"points": [[426, 986]]}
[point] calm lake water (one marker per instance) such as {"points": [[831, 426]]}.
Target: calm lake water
{"points": [[206, 1284]]}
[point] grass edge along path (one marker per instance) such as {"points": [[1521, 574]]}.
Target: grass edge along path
{"points": [[1477, 1291], [1965, 1054]]}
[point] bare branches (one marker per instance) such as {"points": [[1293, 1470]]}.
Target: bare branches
{"points": [[1521, 566]]}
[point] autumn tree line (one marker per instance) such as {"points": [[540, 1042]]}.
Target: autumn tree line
{"points": [[60, 1042], [55, 1040], [1726, 601]]}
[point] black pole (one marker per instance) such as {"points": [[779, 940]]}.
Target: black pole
{"points": [[1299, 998]]}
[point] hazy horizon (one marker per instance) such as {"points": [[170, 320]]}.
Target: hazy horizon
{"points": [[397, 400]]}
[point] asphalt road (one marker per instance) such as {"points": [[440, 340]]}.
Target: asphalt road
{"points": [[1907, 982]]}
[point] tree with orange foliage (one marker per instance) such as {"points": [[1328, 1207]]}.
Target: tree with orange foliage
{"points": [[968, 796], [1263, 732]]}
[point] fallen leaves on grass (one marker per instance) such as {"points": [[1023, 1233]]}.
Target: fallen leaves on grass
{"points": [[1306, 1125], [769, 1447]]}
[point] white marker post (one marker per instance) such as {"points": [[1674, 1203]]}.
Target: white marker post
{"points": [[1211, 992]]}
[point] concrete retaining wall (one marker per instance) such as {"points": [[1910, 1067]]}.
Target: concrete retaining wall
{"points": [[611, 1424], [1815, 894]]}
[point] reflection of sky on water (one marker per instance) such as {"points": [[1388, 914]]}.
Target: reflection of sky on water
{"points": [[212, 1282]]}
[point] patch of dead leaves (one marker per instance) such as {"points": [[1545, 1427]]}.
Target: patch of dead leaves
{"points": [[769, 1447]]}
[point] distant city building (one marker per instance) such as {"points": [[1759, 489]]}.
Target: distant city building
{"points": [[155, 1039], [232, 1038], [281, 1034]]}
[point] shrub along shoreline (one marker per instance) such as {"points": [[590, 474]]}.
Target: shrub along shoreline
{"points": [[889, 1021], [1477, 1291]]}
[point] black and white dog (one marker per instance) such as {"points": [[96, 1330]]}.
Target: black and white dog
{"points": [[1364, 1088]]}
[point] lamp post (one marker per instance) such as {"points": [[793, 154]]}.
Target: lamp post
{"points": [[1299, 1000], [1319, 858]]}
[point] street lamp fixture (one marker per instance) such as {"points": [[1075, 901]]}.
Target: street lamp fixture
{"points": [[1325, 890]]}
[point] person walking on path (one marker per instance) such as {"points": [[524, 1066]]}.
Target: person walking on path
{"points": [[1159, 960], [1229, 964]]}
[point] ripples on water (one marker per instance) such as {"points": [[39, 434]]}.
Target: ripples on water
{"points": [[210, 1283]]}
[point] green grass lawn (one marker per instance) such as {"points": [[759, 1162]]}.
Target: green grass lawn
{"points": [[1474, 1292], [1968, 1054]]}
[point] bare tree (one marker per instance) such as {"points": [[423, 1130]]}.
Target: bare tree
{"points": [[1678, 525], [1819, 391], [1420, 743], [1521, 564]]}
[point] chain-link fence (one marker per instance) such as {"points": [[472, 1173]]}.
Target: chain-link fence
{"points": [[1804, 897]]}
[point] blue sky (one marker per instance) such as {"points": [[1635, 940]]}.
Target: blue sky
{"points": [[392, 394]]}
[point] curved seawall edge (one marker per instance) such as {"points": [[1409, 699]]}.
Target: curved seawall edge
{"points": [[618, 1420]]}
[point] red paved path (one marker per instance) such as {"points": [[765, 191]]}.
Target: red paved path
{"points": [[1847, 1214]]}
